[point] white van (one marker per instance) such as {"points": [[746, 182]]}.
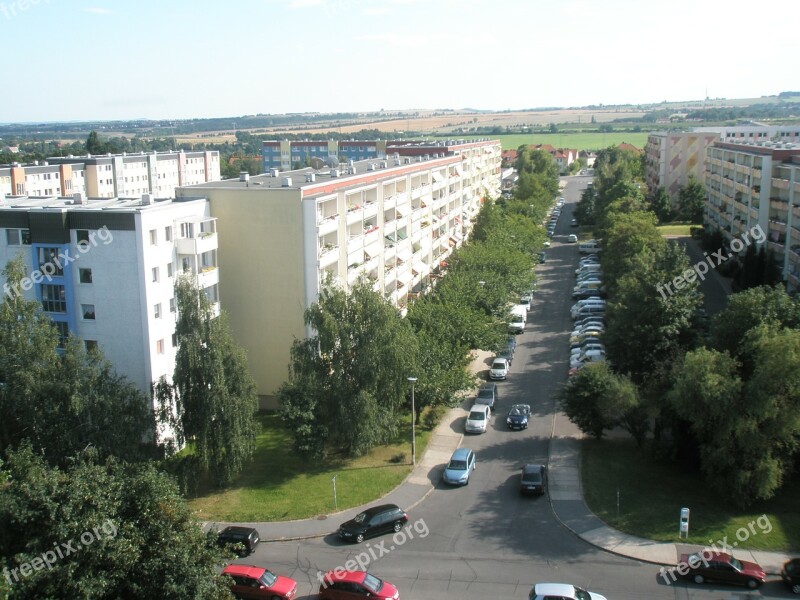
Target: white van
{"points": [[589, 247], [519, 315]]}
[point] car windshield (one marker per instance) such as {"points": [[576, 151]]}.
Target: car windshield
{"points": [[532, 477], [516, 411], [736, 564], [485, 394], [582, 594], [499, 365], [457, 465], [268, 578], [477, 415], [372, 583], [360, 517]]}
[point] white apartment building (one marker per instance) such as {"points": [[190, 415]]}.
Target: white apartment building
{"points": [[750, 185], [394, 221], [754, 133], [104, 270], [111, 175], [672, 158]]}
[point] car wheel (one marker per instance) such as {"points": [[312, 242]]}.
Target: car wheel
{"points": [[796, 588], [699, 579], [360, 538], [276, 598], [398, 526], [753, 583]]}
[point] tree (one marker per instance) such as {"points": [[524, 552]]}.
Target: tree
{"points": [[103, 530], [215, 396], [94, 145], [62, 399], [661, 205], [596, 399], [353, 370], [692, 201]]}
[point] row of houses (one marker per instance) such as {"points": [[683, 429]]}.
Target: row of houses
{"points": [[261, 247]]}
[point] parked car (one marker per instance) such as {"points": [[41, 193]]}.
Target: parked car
{"points": [[573, 223], [533, 479], [790, 573], [589, 356], [257, 582], [584, 293], [572, 238], [542, 257], [499, 369], [348, 585], [507, 354], [487, 394], [371, 522], [242, 540], [561, 591], [525, 300], [590, 246], [517, 417], [477, 419], [598, 310], [461, 465], [722, 567]]}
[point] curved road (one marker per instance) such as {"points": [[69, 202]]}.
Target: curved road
{"points": [[484, 541]]}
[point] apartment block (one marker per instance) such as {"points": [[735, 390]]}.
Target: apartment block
{"points": [[104, 270], [754, 133], [393, 221], [111, 176], [286, 154], [751, 185], [672, 158]]}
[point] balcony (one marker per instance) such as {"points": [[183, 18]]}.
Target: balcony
{"points": [[193, 246], [207, 277], [328, 255], [327, 225], [370, 209], [355, 214]]}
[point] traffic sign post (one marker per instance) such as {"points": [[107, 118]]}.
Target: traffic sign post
{"points": [[683, 527]]}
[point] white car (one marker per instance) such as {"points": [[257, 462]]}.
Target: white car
{"points": [[499, 369], [572, 238], [477, 419], [563, 591]]}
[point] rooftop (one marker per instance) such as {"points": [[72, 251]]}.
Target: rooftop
{"points": [[78, 202]]}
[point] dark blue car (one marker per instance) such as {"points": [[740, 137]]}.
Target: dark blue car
{"points": [[518, 416]]}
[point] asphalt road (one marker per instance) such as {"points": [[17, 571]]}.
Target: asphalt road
{"points": [[484, 540]]}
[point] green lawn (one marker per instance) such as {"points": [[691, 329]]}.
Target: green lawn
{"points": [[676, 228], [278, 486], [578, 140], [652, 494]]}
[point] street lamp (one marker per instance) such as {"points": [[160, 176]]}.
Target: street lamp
{"points": [[413, 380]]}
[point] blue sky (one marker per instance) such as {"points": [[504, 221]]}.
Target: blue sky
{"points": [[103, 59]]}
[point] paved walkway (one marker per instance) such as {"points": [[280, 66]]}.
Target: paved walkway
{"points": [[566, 497]]}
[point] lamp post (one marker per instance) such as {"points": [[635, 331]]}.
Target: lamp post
{"points": [[413, 380]]}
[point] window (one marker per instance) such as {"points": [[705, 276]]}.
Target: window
{"points": [[174, 340], [169, 270], [172, 305], [91, 345], [54, 298], [87, 311], [153, 237], [187, 230], [160, 346], [157, 311], [155, 274], [85, 275], [49, 264], [82, 235], [63, 333], [18, 237], [168, 234]]}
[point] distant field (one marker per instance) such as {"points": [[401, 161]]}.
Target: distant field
{"points": [[578, 141]]}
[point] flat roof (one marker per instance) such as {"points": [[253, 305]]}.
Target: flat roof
{"points": [[24, 203]]}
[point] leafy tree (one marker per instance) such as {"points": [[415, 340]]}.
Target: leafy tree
{"points": [[107, 530], [215, 396], [692, 201], [353, 370], [596, 399], [661, 204], [62, 401]]}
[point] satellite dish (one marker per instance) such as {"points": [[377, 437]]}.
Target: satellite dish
{"points": [[317, 163], [332, 161]]}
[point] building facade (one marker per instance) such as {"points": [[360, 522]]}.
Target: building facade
{"points": [[287, 154], [757, 185], [105, 269], [111, 175], [393, 221], [673, 158]]}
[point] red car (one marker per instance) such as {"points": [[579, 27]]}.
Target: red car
{"points": [[258, 582], [349, 585], [718, 566]]}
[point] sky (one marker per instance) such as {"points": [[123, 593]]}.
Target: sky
{"points": [[175, 59]]}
